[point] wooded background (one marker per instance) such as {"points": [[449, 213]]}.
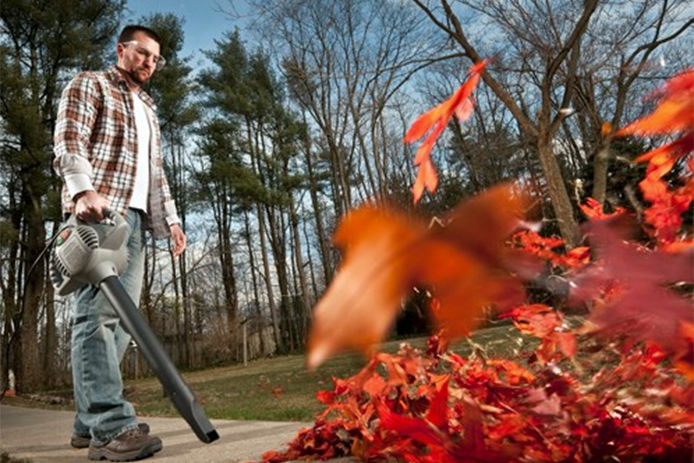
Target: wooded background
{"points": [[299, 118]]}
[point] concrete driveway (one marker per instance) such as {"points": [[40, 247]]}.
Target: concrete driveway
{"points": [[42, 436]]}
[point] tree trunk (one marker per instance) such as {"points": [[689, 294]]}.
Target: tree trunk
{"points": [[268, 280], [254, 281], [326, 260], [49, 338], [29, 375], [303, 286], [311, 266], [187, 325], [600, 165], [277, 244], [563, 210], [229, 284]]}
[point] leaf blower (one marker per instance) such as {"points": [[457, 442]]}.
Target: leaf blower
{"points": [[96, 253]]}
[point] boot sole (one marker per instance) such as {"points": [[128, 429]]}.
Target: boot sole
{"points": [[83, 442], [80, 442], [139, 454]]}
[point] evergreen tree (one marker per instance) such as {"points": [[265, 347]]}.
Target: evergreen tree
{"points": [[42, 43]]}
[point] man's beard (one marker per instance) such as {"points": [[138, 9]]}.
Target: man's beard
{"points": [[133, 75]]}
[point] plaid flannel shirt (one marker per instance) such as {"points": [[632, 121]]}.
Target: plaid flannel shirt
{"points": [[95, 145]]}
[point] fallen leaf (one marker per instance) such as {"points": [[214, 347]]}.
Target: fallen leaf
{"points": [[594, 210], [550, 406]]}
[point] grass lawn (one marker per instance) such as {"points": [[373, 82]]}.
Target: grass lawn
{"points": [[280, 388], [246, 393]]}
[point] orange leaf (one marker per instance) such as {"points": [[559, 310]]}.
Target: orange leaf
{"points": [[426, 178], [662, 159], [387, 252], [566, 343], [460, 104], [364, 296], [674, 113], [593, 209], [425, 122], [374, 385], [605, 129], [577, 257]]}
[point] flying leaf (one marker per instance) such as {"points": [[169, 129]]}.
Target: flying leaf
{"points": [[386, 253], [633, 281], [460, 104], [530, 242], [675, 111], [673, 116]]}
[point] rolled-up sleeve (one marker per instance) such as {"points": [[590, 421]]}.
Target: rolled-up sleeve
{"points": [[77, 114], [170, 213]]}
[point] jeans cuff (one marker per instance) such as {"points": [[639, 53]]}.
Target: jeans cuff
{"points": [[108, 437]]}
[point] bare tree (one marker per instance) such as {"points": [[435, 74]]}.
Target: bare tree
{"points": [[552, 59], [627, 43], [344, 62], [541, 43]]}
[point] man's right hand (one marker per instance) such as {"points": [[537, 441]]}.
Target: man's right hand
{"points": [[90, 206]]}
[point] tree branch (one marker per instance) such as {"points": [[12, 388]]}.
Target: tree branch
{"points": [[459, 36]]}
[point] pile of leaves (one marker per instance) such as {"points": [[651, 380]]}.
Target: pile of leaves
{"points": [[618, 387]]}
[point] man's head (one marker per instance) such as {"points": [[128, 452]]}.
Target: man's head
{"points": [[138, 51]]}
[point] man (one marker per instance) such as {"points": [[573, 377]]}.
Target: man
{"points": [[108, 154]]}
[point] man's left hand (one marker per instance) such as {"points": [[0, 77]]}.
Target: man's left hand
{"points": [[178, 238]]}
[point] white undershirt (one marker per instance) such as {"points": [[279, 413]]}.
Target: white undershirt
{"points": [[141, 188]]}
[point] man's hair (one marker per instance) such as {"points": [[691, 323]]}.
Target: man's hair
{"points": [[128, 33]]}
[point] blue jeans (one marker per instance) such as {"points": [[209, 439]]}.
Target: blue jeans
{"points": [[98, 345]]}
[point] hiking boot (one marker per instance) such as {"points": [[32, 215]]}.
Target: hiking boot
{"points": [[82, 441], [128, 446]]}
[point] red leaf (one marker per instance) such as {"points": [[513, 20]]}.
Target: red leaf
{"points": [[414, 428], [532, 243], [438, 410], [538, 320], [325, 397], [642, 307], [593, 209], [673, 115]]}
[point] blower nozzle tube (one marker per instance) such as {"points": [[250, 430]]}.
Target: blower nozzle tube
{"points": [[180, 394]]}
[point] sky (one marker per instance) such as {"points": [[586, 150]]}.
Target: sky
{"points": [[203, 20]]}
